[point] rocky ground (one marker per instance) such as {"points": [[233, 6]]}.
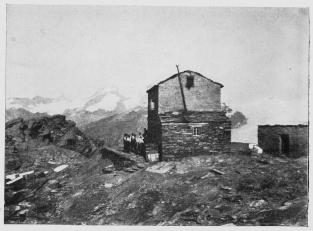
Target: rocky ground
{"points": [[24, 135], [114, 188], [102, 186]]}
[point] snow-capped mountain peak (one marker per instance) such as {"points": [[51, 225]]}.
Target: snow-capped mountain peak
{"points": [[107, 98], [105, 90], [61, 98]]}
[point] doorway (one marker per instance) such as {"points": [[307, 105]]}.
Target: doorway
{"points": [[284, 144]]}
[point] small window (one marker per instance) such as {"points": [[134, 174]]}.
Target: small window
{"points": [[196, 131], [190, 82], [152, 105]]}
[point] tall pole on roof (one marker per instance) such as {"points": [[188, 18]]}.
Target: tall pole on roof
{"points": [[181, 90]]}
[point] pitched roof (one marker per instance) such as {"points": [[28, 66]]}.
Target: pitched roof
{"points": [[188, 71]]}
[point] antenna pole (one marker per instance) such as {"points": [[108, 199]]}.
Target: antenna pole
{"points": [[181, 90]]}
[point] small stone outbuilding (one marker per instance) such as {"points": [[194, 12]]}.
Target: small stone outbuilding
{"points": [[288, 140], [185, 117]]}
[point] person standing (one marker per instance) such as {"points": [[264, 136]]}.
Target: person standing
{"points": [[125, 141], [145, 135], [128, 143], [133, 143], [145, 140], [137, 144], [140, 142]]}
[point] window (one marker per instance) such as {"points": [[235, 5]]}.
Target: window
{"points": [[190, 82], [152, 105], [196, 131]]}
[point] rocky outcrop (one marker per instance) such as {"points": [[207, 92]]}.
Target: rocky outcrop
{"points": [[19, 134], [38, 150]]}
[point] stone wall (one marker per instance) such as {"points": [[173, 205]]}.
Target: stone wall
{"points": [[241, 148], [154, 124], [269, 139], [172, 131], [205, 95], [179, 141]]}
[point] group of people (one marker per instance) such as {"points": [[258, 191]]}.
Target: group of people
{"points": [[134, 143]]}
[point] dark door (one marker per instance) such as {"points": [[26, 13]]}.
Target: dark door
{"points": [[285, 144]]}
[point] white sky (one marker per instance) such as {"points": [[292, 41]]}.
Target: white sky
{"points": [[256, 53]]}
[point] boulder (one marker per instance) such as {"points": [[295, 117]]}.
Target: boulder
{"points": [[14, 164], [140, 165], [107, 170], [17, 184], [15, 198], [58, 119], [259, 203], [162, 167], [12, 122], [24, 204], [18, 139], [30, 124], [40, 174], [23, 212], [70, 124], [68, 139], [55, 185], [46, 132], [60, 168]]}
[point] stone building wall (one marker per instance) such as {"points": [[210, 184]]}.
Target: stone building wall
{"points": [[179, 141], [269, 139], [205, 95], [242, 148], [171, 129], [154, 124]]}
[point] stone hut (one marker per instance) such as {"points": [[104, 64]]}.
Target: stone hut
{"points": [[185, 117], [288, 140]]}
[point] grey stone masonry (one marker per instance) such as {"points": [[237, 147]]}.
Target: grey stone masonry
{"points": [[179, 139], [203, 95], [270, 139], [201, 129]]}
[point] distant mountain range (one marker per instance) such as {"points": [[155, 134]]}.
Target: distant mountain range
{"points": [[105, 102], [13, 113], [108, 114], [101, 125], [112, 129], [83, 117]]}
